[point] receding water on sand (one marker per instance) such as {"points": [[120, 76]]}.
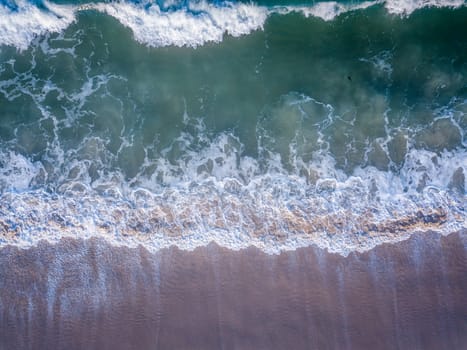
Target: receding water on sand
{"points": [[87, 294]]}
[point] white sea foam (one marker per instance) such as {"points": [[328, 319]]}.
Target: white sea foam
{"points": [[17, 172], [328, 10], [213, 195], [216, 193], [192, 25], [20, 26], [407, 7]]}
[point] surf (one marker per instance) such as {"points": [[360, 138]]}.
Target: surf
{"points": [[188, 24]]}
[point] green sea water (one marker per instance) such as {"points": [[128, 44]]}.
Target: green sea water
{"points": [[96, 106]]}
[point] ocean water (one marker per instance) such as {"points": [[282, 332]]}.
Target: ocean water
{"points": [[277, 124]]}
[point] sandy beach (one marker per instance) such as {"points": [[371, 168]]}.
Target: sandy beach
{"points": [[90, 295]]}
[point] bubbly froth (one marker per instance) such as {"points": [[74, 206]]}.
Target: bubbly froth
{"points": [[273, 211], [191, 24], [21, 25]]}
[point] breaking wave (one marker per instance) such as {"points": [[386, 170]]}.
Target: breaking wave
{"points": [[218, 194], [186, 24]]}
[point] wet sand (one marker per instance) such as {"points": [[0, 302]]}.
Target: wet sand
{"points": [[89, 295]]}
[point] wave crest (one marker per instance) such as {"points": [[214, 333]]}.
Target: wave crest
{"points": [[191, 24], [21, 23]]}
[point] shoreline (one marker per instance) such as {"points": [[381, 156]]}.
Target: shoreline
{"points": [[274, 248], [28, 218]]}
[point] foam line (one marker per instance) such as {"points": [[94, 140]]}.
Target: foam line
{"points": [[274, 211], [327, 11], [407, 7]]}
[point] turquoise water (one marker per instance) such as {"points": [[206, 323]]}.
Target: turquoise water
{"points": [[273, 109]]}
